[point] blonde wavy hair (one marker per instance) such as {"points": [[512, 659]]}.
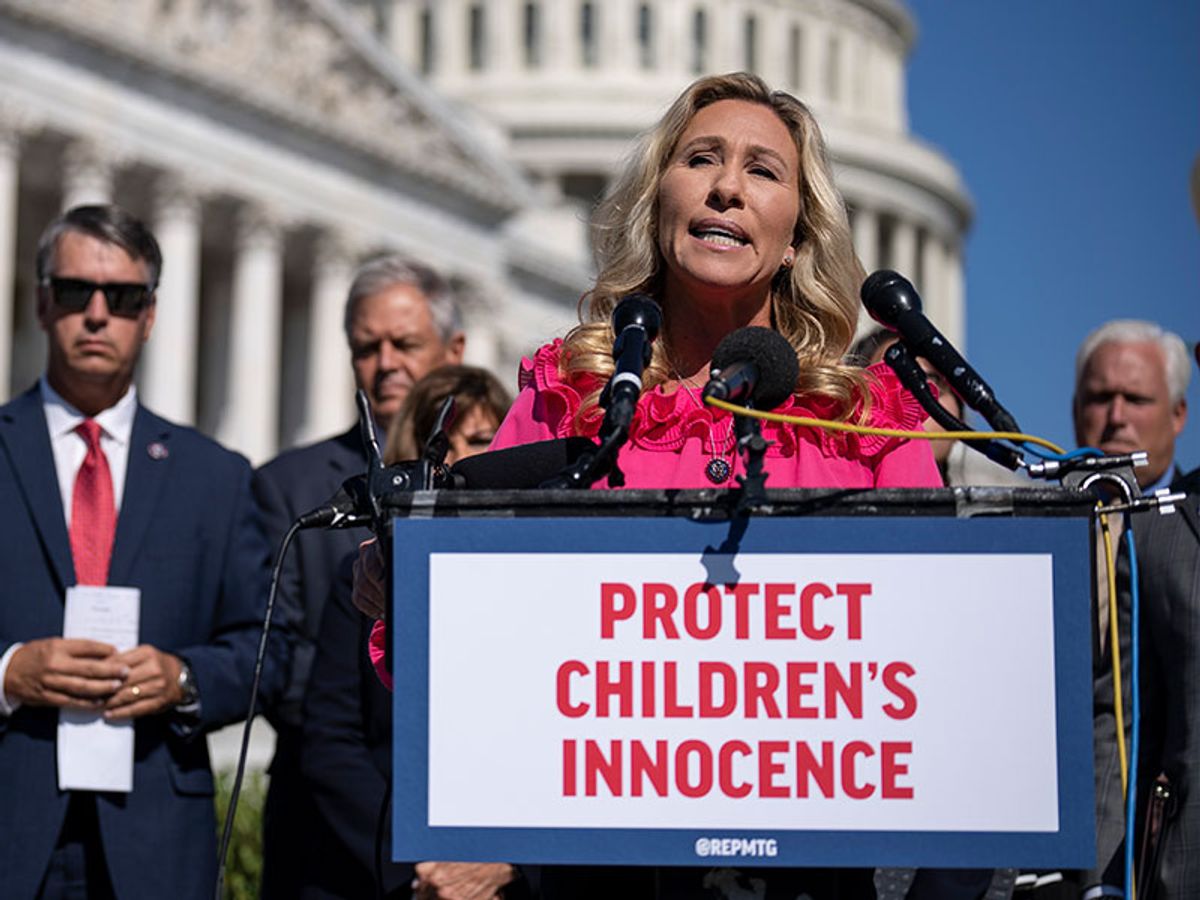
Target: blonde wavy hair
{"points": [[814, 304]]}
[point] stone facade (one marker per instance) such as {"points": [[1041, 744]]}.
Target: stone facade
{"points": [[273, 144]]}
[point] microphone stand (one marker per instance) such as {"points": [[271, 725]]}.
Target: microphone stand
{"points": [[900, 358], [379, 480], [753, 447], [436, 446], [592, 465]]}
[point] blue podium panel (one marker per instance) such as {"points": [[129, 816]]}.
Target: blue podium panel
{"points": [[772, 691]]}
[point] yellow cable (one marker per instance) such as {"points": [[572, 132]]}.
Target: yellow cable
{"points": [[1014, 436], [1114, 642]]}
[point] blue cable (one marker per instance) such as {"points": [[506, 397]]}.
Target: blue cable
{"points": [[1043, 453], [1135, 725]]}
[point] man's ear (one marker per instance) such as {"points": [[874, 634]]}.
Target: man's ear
{"points": [[455, 348], [148, 322], [1179, 416], [43, 306]]}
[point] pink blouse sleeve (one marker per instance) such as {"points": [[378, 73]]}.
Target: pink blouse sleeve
{"points": [[904, 463], [375, 647], [522, 425], [910, 465], [545, 407]]}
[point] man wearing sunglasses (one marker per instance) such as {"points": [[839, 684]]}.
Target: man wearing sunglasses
{"points": [[150, 530]]}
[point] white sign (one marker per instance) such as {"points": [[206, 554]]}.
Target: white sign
{"points": [[834, 692]]}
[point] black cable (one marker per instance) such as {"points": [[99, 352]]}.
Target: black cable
{"points": [[227, 832]]}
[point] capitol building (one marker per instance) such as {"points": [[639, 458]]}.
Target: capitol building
{"points": [[274, 144]]}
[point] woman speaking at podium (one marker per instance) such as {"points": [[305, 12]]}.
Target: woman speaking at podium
{"points": [[727, 216]]}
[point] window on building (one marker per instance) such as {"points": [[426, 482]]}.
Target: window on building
{"points": [[833, 69], [588, 41], [750, 43], [699, 42], [425, 25], [477, 37], [533, 35], [795, 50], [645, 35]]}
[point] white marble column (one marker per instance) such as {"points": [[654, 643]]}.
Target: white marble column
{"points": [[168, 377], [904, 248], [774, 36], [452, 38], [560, 36], [10, 149], [814, 44], [933, 282], [504, 24], [866, 237], [619, 46], [955, 315], [329, 401], [673, 21], [405, 37], [250, 420], [87, 175]]}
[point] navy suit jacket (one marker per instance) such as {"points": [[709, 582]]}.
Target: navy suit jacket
{"points": [[287, 487], [188, 536], [298, 859]]}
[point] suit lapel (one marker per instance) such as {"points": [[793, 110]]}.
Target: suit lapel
{"points": [[146, 474], [23, 432]]}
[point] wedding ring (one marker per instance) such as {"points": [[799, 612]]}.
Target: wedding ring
{"points": [[136, 690]]}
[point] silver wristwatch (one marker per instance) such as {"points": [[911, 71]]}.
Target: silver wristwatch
{"points": [[187, 687]]}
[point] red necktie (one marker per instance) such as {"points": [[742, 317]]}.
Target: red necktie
{"points": [[93, 513]]}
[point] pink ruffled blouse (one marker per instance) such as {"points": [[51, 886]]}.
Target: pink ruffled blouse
{"points": [[675, 436]]}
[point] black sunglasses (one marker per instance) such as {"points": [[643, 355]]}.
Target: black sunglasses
{"points": [[124, 299]]}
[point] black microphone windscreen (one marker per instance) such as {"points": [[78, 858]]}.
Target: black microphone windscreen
{"points": [[887, 295], [519, 468], [637, 309], [770, 353]]}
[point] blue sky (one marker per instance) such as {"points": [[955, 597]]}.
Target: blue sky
{"points": [[1075, 124]]}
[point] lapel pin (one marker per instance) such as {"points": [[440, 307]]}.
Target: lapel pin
{"points": [[158, 450]]}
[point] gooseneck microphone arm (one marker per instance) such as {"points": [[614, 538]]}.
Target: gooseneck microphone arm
{"points": [[914, 379], [894, 303]]}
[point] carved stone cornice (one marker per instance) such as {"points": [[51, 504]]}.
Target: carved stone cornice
{"points": [[305, 62]]}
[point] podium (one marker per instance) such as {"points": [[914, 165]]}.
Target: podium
{"points": [[838, 678]]}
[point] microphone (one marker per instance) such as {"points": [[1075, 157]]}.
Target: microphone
{"points": [[894, 303], [753, 366], [635, 321], [350, 507]]}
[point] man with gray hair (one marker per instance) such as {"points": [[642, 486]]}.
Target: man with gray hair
{"points": [[1130, 386], [401, 322], [1131, 381]]}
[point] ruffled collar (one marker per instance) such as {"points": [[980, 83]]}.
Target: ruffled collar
{"points": [[665, 422]]}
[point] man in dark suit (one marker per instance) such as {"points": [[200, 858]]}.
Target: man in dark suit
{"points": [[1131, 385], [99, 491], [401, 322]]}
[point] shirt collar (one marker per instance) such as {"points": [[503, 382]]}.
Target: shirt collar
{"points": [[1164, 482], [62, 418]]}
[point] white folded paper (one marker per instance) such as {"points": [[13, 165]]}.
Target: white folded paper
{"points": [[93, 754]]}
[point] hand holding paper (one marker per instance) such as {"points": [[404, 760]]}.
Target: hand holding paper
{"points": [[67, 672], [151, 686]]}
